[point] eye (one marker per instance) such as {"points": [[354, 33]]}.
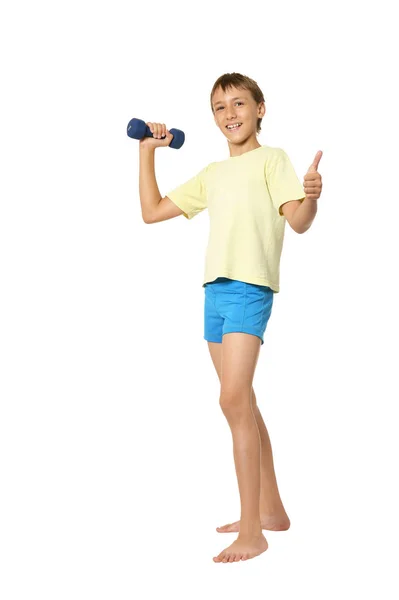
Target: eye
{"points": [[238, 102]]}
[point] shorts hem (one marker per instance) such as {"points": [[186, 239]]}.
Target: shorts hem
{"points": [[218, 341], [244, 331]]}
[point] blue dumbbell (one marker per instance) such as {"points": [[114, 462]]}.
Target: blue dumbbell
{"points": [[138, 129]]}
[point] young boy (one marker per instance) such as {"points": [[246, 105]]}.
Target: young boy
{"points": [[249, 197]]}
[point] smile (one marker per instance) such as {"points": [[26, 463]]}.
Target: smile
{"points": [[234, 127]]}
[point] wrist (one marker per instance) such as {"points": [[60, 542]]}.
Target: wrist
{"points": [[147, 149]]}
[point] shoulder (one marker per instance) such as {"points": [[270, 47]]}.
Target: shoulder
{"points": [[208, 170], [274, 156], [274, 153]]}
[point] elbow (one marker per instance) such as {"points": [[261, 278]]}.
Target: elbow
{"points": [[147, 220], [300, 228], [297, 229], [303, 230]]}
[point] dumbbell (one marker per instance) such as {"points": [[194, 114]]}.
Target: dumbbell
{"points": [[138, 129]]}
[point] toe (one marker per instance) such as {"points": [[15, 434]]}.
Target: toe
{"points": [[232, 557], [244, 557]]}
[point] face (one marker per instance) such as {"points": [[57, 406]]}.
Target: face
{"points": [[236, 106]]}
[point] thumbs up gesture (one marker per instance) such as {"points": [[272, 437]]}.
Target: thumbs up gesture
{"points": [[312, 181]]}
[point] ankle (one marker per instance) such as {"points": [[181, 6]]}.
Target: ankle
{"points": [[249, 534], [250, 527], [272, 510]]}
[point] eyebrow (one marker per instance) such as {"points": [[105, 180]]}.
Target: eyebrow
{"points": [[236, 98]]}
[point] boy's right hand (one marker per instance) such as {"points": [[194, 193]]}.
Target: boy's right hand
{"points": [[157, 130]]}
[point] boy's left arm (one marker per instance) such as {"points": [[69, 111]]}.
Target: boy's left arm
{"points": [[305, 212]]}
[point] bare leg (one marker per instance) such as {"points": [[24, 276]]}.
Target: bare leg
{"points": [[271, 507], [272, 512], [240, 352]]}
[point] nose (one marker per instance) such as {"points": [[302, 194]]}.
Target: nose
{"points": [[230, 112]]}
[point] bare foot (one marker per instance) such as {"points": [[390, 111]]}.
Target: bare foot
{"points": [[243, 548], [271, 523]]}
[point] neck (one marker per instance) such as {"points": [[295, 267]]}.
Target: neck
{"points": [[240, 147]]}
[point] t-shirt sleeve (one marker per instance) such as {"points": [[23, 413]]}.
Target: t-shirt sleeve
{"points": [[282, 181], [191, 196]]}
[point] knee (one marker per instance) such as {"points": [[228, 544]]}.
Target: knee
{"points": [[234, 402]]}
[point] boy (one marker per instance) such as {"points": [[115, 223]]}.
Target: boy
{"points": [[249, 197]]}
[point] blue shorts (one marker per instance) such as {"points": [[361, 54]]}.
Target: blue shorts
{"points": [[232, 305]]}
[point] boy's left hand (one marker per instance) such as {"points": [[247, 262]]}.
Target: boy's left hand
{"points": [[312, 181]]}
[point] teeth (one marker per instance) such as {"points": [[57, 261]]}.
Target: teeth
{"points": [[233, 126]]}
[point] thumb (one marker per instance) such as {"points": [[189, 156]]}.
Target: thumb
{"points": [[168, 138], [315, 163]]}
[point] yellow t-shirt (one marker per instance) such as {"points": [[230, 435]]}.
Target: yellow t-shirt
{"points": [[243, 195]]}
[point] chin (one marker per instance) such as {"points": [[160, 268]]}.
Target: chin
{"points": [[234, 136]]}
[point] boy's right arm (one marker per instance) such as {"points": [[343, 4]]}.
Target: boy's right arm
{"points": [[153, 207]]}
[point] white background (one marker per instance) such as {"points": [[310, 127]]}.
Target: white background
{"points": [[116, 460]]}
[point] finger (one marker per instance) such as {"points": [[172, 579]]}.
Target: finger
{"points": [[312, 176], [315, 163], [317, 158]]}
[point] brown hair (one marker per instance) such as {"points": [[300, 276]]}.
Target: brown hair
{"points": [[239, 81]]}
